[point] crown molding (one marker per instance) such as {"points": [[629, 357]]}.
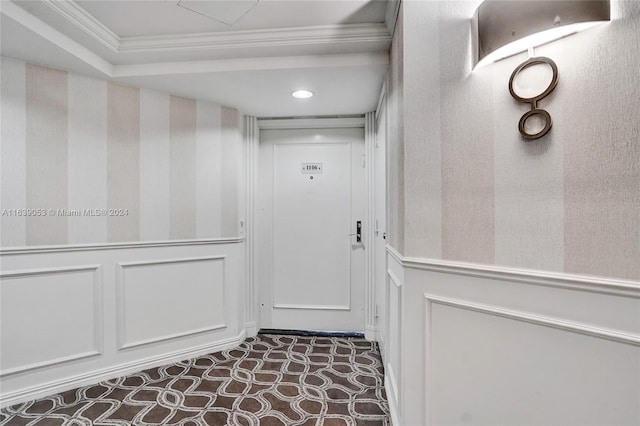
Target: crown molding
{"points": [[310, 123], [54, 36], [391, 15], [279, 37], [250, 64], [274, 37], [80, 18]]}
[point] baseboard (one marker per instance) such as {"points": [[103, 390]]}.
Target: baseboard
{"points": [[251, 329], [371, 333], [56, 386], [391, 399]]}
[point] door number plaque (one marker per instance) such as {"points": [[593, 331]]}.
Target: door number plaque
{"points": [[311, 168]]}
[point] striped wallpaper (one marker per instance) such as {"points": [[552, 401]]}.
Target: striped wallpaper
{"points": [[395, 150], [464, 185], [164, 167]]}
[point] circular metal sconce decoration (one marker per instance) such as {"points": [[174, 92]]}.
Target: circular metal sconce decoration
{"points": [[534, 99]]}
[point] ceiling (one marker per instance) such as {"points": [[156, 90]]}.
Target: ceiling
{"points": [[248, 54]]}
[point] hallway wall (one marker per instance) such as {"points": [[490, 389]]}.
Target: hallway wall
{"points": [[169, 167], [87, 298], [395, 149], [473, 190], [512, 284]]}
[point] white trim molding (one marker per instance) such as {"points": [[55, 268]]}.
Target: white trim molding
{"points": [[393, 278], [80, 18], [114, 246], [249, 64], [382, 104], [98, 317], [252, 141], [395, 254], [48, 271], [369, 231], [293, 36], [364, 41], [391, 15], [392, 395], [311, 123], [312, 307], [49, 33], [542, 320], [172, 336], [120, 300], [593, 284], [271, 37], [251, 328], [34, 392], [49, 363]]}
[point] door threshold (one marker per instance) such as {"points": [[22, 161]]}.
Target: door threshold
{"points": [[318, 333]]}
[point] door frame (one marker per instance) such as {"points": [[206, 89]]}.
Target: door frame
{"points": [[253, 126]]}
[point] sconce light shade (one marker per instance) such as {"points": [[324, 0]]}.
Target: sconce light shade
{"points": [[506, 27]]}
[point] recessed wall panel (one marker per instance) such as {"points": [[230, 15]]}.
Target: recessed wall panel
{"points": [[501, 368], [49, 316], [164, 299]]}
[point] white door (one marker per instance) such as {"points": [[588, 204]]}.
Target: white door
{"points": [[310, 196]]}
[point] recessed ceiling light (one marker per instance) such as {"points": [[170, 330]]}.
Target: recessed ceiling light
{"points": [[302, 94]]}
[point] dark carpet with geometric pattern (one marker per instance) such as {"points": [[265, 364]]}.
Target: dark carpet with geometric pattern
{"points": [[267, 380]]}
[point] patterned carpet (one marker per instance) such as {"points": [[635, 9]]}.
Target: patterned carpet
{"points": [[267, 380]]}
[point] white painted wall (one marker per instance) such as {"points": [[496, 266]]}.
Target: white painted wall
{"points": [[73, 316]]}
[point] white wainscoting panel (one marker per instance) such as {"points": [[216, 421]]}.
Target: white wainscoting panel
{"points": [[481, 344], [168, 298], [41, 329], [393, 331], [395, 320], [489, 365], [76, 315]]}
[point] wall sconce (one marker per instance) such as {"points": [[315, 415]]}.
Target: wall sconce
{"points": [[503, 28]]}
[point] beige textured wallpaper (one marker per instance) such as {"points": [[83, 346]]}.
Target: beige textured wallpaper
{"points": [[395, 146], [73, 147], [475, 190]]}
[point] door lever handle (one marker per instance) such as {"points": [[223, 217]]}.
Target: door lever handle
{"points": [[358, 233]]}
